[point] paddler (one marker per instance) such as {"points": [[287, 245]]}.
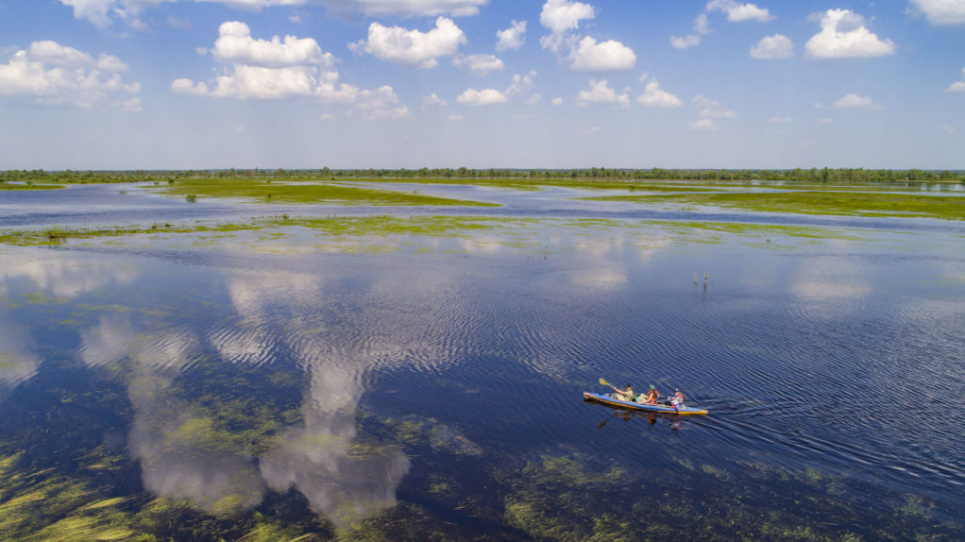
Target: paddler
{"points": [[677, 400], [624, 395], [652, 395]]}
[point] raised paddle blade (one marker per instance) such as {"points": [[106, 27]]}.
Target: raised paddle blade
{"points": [[604, 382]]}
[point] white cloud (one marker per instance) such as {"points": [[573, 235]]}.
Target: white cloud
{"points": [[702, 24], [844, 35], [590, 56], [487, 96], [703, 125], [381, 103], [235, 44], [403, 8], [601, 93], [326, 116], [737, 12], [853, 101], [958, 86], [948, 129], [412, 47], [562, 15], [781, 120], [103, 13], [454, 118], [187, 86], [711, 109], [523, 86], [685, 42], [433, 100], [825, 120], [479, 64], [282, 69], [941, 12], [771, 47], [557, 101], [654, 96], [51, 73], [51, 52], [513, 37]]}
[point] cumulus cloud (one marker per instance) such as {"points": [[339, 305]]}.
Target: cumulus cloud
{"points": [[523, 87], [654, 96], [479, 64], [737, 12], [704, 125], [940, 12], [235, 44], [710, 110], [601, 93], [412, 47], [958, 86], [561, 16], [513, 37], [403, 8], [948, 129], [590, 56], [486, 96], [771, 47], [50, 73], [278, 69], [580, 53], [557, 101], [853, 101], [433, 100], [844, 35], [103, 13], [685, 42], [381, 103]]}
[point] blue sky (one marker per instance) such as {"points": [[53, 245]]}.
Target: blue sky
{"points": [[159, 84]]}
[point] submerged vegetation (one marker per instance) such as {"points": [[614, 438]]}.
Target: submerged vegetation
{"points": [[850, 203], [265, 191]]}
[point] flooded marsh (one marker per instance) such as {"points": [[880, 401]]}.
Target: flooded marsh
{"points": [[379, 373]]}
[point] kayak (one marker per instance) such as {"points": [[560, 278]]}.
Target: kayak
{"points": [[610, 401]]}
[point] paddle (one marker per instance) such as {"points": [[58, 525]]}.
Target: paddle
{"points": [[605, 383]]}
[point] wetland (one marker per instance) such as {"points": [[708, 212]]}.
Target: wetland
{"points": [[404, 359]]}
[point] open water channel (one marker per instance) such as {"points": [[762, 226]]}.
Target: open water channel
{"points": [[424, 381]]}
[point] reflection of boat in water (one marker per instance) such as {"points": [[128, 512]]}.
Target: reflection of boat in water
{"points": [[618, 403]]}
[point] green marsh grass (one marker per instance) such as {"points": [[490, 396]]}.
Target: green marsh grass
{"points": [[304, 193], [842, 203]]}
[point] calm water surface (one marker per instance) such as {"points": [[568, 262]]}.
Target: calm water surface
{"points": [[290, 381]]}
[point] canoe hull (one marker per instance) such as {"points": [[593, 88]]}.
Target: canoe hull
{"points": [[609, 401]]}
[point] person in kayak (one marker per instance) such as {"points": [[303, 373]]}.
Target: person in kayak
{"points": [[677, 400], [624, 395], [652, 395]]}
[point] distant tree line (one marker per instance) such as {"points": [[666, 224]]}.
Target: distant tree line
{"points": [[813, 175]]}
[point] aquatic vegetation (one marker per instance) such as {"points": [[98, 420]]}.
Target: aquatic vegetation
{"points": [[845, 203], [573, 497], [302, 192]]}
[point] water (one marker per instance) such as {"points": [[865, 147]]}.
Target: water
{"points": [[291, 381]]}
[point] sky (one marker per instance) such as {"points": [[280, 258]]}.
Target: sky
{"points": [[201, 84]]}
